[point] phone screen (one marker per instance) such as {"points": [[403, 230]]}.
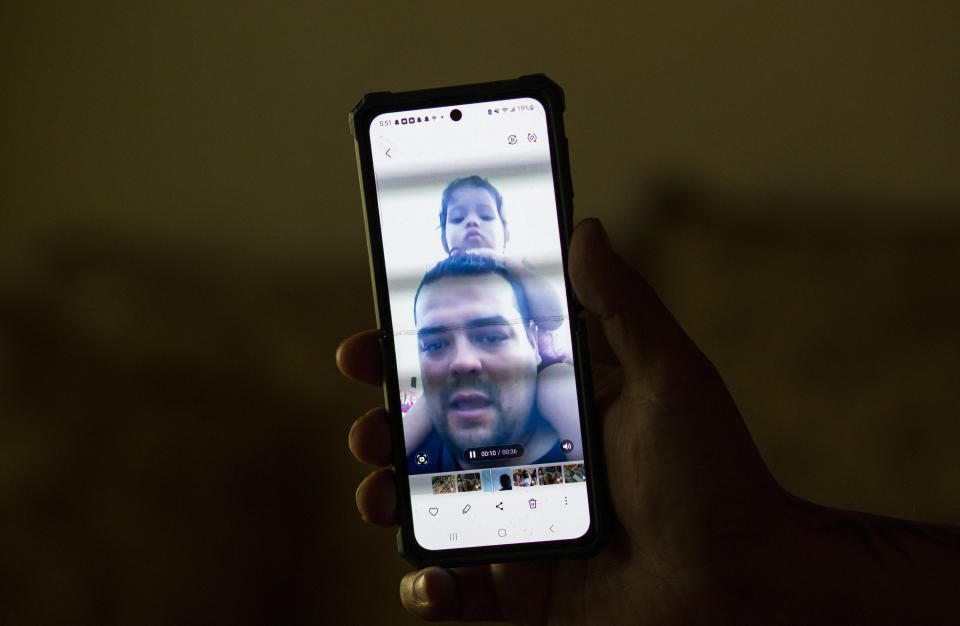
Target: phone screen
{"points": [[471, 243]]}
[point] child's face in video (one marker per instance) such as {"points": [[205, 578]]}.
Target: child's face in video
{"points": [[473, 221]]}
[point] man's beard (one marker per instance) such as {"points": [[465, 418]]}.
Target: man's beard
{"points": [[464, 436]]}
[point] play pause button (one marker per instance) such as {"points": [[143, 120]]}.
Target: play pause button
{"points": [[493, 453]]}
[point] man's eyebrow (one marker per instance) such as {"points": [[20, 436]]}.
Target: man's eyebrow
{"points": [[494, 320]]}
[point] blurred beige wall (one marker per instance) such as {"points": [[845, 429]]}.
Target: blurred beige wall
{"points": [[181, 248], [224, 123]]}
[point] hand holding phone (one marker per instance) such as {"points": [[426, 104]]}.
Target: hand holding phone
{"points": [[704, 533], [694, 503]]}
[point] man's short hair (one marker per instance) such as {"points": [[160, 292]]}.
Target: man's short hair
{"points": [[474, 265], [468, 181]]}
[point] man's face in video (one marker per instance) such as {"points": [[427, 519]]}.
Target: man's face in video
{"points": [[478, 361]]}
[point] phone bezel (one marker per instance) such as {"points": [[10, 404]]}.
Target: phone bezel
{"points": [[550, 96]]}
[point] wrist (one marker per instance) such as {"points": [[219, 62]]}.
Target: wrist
{"points": [[824, 565]]}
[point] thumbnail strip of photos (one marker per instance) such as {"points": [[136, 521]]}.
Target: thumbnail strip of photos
{"points": [[499, 479]]}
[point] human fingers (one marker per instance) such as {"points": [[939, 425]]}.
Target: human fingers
{"points": [[358, 357], [436, 593], [369, 437], [488, 592], [670, 387], [600, 350], [377, 498], [640, 331]]}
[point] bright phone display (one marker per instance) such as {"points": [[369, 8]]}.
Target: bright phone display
{"points": [[466, 233]]}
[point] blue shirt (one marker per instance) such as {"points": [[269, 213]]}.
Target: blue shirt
{"points": [[440, 458]]}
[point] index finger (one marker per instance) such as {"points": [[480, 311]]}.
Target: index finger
{"points": [[358, 357]]}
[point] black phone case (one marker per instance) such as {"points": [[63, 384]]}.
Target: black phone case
{"points": [[550, 95]]}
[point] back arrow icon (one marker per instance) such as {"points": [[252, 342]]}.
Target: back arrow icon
{"points": [[388, 154]]}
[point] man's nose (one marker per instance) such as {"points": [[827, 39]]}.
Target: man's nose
{"points": [[465, 360]]}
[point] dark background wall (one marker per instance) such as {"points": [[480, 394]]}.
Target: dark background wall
{"points": [[181, 249]]}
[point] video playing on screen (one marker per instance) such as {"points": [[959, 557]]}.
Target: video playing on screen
{"points": [[475, 281]]}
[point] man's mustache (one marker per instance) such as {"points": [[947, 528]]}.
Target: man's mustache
{"points": [[489, 390]]}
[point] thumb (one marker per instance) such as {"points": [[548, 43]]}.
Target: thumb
{"points": [[647, 340], [670, 388]]}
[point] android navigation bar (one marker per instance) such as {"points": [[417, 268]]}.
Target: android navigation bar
{"points": [[493, 453]]}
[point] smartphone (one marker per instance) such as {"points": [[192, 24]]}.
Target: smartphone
{"points": [[468, 207]]}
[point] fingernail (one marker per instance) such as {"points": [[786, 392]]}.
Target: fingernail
{"points": [[592, 223], [353, 427], [604, 237], [420, 588]]}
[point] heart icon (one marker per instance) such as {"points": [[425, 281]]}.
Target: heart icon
{"points": [[433, 511]]}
